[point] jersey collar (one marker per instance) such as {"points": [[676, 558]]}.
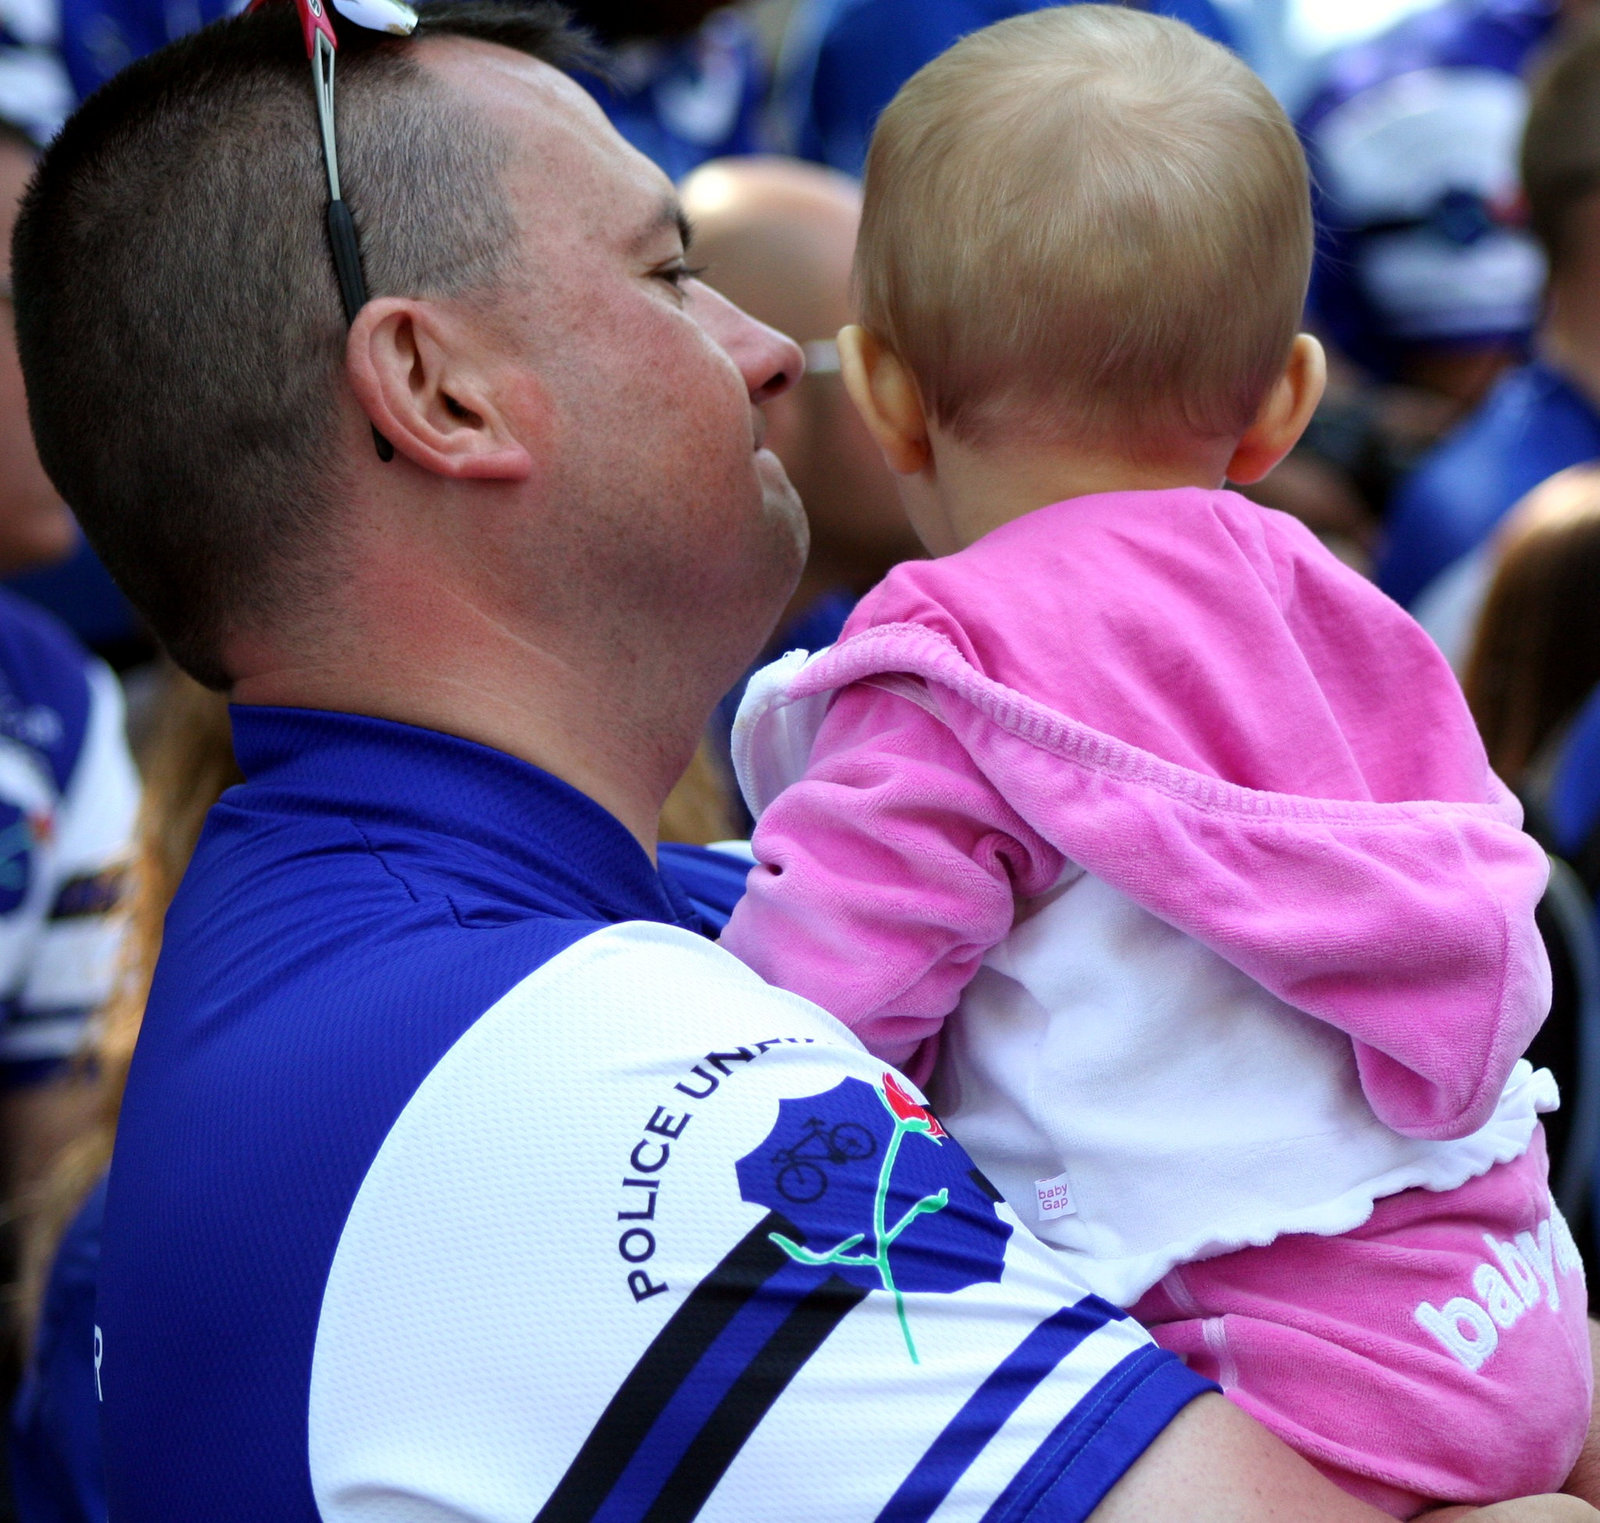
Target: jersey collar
{"points": [[455, 799]]}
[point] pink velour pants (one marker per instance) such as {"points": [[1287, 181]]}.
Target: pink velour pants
{"points": [[1438, 1353]]}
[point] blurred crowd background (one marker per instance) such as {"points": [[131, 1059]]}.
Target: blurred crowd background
{"points": [[1456, 460]]}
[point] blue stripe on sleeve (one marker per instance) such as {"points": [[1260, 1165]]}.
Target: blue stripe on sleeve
{"points": [[1093, 1446], [698, 1397], [990, 1407]]}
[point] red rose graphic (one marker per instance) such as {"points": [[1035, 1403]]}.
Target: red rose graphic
{"points": [[907, 1109]]}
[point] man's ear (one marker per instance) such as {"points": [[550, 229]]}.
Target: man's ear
{"points": [[414, 372], [885, 394], [1284, 413]]}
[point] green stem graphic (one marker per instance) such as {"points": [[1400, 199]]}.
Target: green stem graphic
{"points": [[883, 1236]]}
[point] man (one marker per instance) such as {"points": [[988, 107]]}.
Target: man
{"points": [[458, 1179], [1540, 418]]}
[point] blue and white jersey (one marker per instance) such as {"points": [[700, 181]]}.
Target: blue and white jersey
{"points": [[459, 1178], [68, 794]]}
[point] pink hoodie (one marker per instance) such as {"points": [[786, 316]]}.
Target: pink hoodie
{"points": [[1188, 697]]}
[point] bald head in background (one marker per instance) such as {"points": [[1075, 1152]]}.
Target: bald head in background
{"points": [[776, 237]]}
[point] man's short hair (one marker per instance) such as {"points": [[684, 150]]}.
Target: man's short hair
{"points": [[178, 316], [1087, 223], [1561, 143]]}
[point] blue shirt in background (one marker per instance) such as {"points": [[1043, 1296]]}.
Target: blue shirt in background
{"points": [[692, 99], [79, 591], [68, 793], [1573, 806], [57, 1475], [1533, 424]]}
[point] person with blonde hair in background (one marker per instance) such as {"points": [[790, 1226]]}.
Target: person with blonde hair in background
{"points": [[1532, 666]]}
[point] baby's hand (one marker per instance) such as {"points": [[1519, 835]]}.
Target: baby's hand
{"points": [[1547, 1509]]}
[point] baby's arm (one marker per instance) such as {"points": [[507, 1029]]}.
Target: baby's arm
{"points": [[885, 874]]}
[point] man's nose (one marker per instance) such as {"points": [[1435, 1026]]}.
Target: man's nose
{"points": [[769, 361]]}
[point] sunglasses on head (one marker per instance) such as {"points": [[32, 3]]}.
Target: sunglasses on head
{"points": [[400, 20]]}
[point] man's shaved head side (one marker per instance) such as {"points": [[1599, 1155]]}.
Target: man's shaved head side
{"points": [[178, 316], [1088, 224]]}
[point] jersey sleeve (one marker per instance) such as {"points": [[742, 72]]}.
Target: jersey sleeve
{"points": [[654, 1240], [71, 963], [885, 874]]}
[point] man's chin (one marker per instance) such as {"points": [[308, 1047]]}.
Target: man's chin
{"points": [[780, 500]]}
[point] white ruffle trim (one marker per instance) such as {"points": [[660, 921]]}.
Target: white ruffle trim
{"points": [[1436, 1166]]}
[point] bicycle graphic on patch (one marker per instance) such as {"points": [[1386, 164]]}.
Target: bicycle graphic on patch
{"points": [[801, 1177]]}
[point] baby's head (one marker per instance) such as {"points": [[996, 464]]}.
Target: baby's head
{"points": [[1087, 227]]}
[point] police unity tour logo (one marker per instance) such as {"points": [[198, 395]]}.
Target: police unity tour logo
{"points": [[862, 1193], [877, 1193]]}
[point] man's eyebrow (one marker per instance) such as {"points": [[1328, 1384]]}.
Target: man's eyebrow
{"points": [[669, 214]]}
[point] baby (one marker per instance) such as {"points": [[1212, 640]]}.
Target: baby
{"points": [[1156, 841]]}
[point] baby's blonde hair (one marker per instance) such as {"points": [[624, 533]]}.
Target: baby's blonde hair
{"points": [[1087, 224]]}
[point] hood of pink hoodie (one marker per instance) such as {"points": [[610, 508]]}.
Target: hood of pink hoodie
{"points": [[1196, 702]]}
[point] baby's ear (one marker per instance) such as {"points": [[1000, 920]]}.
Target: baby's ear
{"points": [[885, 394], [1284, 414]]}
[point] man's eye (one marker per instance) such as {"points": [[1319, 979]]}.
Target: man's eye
{"points": [[679, 275]]}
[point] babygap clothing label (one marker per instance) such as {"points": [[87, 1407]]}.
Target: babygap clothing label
{"points": [[1055, 1197]]}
